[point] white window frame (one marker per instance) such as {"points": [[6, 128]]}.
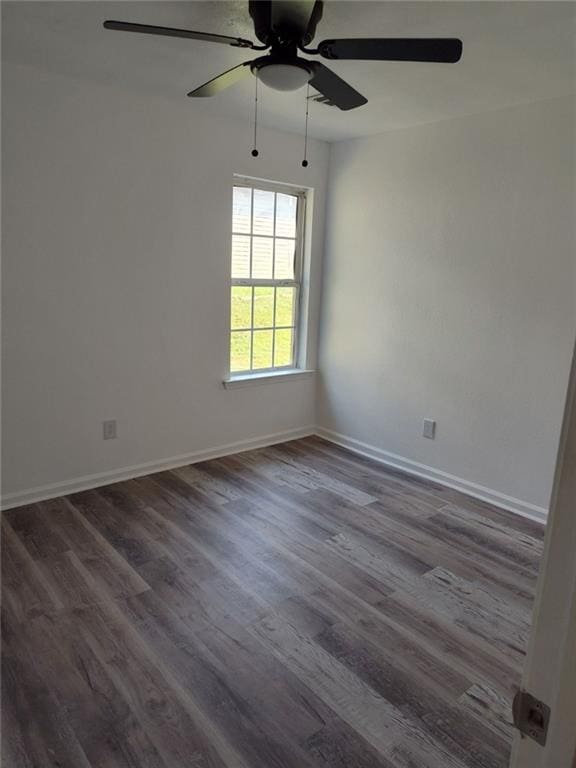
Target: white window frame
{"points": [[268, 374]]}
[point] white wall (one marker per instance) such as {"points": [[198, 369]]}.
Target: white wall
{"points": [[449, 287], [449, 292], [116, 253]]}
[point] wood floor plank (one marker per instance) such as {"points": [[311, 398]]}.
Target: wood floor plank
{"points": [[379, 485], [318, 478], [343, 603], [223, 674], [494, 708], [428, 546], [394, 571], [416, 495], [337, 745], [36, 731], [325, 509], [512, 521], [434, 528], [70, 581], [288, 507], [495, 528], [24, 591], [319, 562], [297, 606], [475, 609], [126, 535], [520, 549], [213, 488], [408, 487], [170, 714], [381, 724], [104, 563], [248, 521], [192, 513], [32, 526], [409, 691], [101, 718], [468, 653], [402, 647], [284, 712], [215, 660]]}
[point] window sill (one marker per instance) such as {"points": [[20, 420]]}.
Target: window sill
{"points": [[250, 379]]}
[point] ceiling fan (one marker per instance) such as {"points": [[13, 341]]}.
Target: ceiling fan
{"points": [[286, 27]]}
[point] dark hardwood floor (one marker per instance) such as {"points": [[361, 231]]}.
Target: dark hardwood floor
{"points": [[291, 607]]}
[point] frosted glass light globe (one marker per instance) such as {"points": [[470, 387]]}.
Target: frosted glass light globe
{"points": [[283, 77]]}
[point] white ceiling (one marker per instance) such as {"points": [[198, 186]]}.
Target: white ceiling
{"points": [[514, 52]]}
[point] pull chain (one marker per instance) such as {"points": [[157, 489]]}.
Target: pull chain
{"points": [[305, 161], [255, 151]]}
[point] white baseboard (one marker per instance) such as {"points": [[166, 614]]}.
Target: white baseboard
{"points": [[511, 504], [54, 490]]}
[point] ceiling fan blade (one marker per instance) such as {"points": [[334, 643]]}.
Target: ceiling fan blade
{"points": [[336, 90], [223, 81], [147, 29], [439, 49]]}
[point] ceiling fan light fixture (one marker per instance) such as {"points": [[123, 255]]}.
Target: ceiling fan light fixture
{"points": [[282, 76]]}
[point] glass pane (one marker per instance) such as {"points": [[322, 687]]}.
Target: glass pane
{"points": [[263, 215], [262, 257], [262, 355], [240, 256], [283, 347], [240, 351], [241, 209], [286, 206], [285, 306], [263, 307], [241, 307], [284, 259]]}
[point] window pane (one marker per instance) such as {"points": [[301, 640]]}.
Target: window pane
{"points": [[284, 259], [241, 209], [262, 257], [283, 347], [240, 351], [285, 306], [240, 256], [241, 307], [286, 206], [263, 215], [262, 355], [263, 307]]}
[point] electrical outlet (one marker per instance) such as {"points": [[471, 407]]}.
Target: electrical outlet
{"points": [[109, 430], [429, 429]]}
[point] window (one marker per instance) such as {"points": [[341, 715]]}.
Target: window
{"points": [[267, 223]]}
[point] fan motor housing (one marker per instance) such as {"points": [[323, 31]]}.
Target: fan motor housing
{"points": [[288, 28]]}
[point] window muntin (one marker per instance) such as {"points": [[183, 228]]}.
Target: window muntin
{"points": [[266, 276]]}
